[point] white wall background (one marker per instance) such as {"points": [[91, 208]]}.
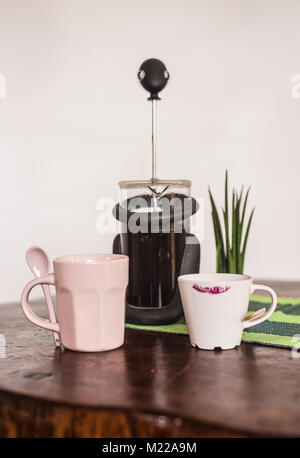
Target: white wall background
{"points": [[75, 121]]}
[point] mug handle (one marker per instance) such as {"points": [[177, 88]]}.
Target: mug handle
{"points": [[30, 315], [261, 314]]}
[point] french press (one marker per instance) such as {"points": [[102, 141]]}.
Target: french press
{"points": [[154, 218]]}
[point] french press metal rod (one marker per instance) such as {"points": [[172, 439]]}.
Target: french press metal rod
{"points": [[153, 76]]}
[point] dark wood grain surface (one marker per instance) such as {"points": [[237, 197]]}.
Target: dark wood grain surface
{"points": [[155, 385]]}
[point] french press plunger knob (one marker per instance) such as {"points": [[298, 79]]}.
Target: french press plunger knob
{"points": [[153, 76]]}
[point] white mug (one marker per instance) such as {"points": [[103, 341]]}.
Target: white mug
{"points": [[215, 308]]}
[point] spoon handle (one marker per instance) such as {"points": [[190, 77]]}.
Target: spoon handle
{"points": [[51, 311]]}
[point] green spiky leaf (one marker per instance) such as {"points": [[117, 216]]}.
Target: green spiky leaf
{"points": [[230, 252], [246, 238]]}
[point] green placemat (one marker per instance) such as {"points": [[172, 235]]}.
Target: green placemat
{"points": [[282, 329]]}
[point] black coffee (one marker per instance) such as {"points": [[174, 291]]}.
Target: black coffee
{"points": [[154, 265], [155, 244]]}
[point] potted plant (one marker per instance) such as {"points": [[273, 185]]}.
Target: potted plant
{"points": [[231, 249]]}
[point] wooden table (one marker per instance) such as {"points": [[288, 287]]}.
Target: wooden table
{"points": [[156, 385]]}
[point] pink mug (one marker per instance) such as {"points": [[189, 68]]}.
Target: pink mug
{"points": [[90, 296]]}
